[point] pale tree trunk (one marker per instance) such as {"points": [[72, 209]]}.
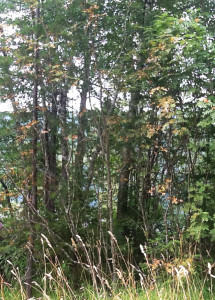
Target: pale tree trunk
{"points": [[65, 173], [104, 142], [46, 145], [64, 135], [110, 206], [53, 151]]}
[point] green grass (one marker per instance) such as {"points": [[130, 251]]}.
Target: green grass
{"points": [[196, 290]]}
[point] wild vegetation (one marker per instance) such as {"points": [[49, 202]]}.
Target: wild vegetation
{"points": [[107, 155]]}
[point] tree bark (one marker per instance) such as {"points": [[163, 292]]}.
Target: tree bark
{"points": [[81, 142], [64, 143], [32, 202], [122, 203]]}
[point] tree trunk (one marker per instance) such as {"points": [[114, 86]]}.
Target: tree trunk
{"points": [[64, 143], [123, 189], [81, 143], [122, 203], [32, 202], [104, 142]]}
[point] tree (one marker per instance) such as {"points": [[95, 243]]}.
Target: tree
{"points": [[135, 156]]}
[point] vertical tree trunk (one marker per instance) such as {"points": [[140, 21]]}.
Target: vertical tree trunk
{"points": [[64, 143], [123, 189], [110, 206], [32, 202], [104, 141], [46, 145], [81, 143], [64, 183], [122, 204], [126, 162], [49, 140]]}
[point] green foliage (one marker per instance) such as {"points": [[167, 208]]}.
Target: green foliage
{"points": [[124, 141]]}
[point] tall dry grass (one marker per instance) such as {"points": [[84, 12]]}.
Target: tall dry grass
{"points": [[154, 279]]}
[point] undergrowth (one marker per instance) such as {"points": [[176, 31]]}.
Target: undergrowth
{"points": [[154, 279]]}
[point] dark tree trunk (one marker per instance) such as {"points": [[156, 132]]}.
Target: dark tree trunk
{"points": [[32, 202], [127, 155], [122, 203], [81, 142], [91, 167], [49, 147]]}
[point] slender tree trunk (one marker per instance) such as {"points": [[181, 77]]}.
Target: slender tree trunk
{"points": [[92, 166], [122, 203], [65, 182], [104, 142], [64, 143], [110, 205], [32, 203], [46, 145], [81, 142], [123, 189], [49, 147]]}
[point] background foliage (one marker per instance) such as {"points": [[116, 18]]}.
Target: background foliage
{"points": [[112, 130]]}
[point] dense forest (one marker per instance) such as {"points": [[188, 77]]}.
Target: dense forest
{"points": [[107, 168]]}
